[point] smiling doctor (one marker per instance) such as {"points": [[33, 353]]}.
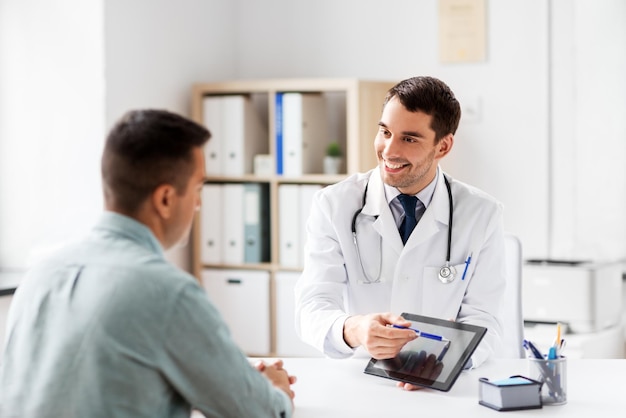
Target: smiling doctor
{"points": [[360, 274]]}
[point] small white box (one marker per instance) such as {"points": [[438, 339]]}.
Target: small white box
{"points": [[263, 165]]}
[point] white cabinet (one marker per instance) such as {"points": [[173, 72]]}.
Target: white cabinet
{"points": [[288, 344], [243, 299]]}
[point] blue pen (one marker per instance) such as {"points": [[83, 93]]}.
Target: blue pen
{"points": [[467, 263], [423, 334], [535, 351], [552, 353]]}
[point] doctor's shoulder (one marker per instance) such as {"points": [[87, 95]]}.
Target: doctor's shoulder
{"points": [[467, 193], [345, 193]]}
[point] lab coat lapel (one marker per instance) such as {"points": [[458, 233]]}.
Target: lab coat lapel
{"points": [[376, 205], [434, 218]]}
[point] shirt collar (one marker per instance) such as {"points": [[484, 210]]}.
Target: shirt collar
{"points": [[129, 228], [425, 195]]}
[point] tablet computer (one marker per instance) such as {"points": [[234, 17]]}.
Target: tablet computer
{"points": [[436, 358]]}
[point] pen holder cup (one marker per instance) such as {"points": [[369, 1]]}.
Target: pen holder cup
{"points": [[553, 374]]}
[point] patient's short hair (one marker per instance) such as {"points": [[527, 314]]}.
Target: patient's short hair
{"points": [[145, 149]]}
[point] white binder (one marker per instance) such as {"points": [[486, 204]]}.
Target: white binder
{"points": [[287, 341], [211, 243], [212, 117], [289, 228], [304, 134], [307, 192], [244, 135], [233, 232], [242, 297]]}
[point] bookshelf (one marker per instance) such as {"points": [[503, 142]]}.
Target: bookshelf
{"points": [[351, 109]]}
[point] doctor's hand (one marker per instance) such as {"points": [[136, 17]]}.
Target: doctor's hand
{"points": [[371, 332]]}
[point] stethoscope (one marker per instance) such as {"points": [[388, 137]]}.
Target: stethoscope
{"points": [[447, 273]]}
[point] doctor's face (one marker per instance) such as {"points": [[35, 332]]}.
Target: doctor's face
{"points": [[406, 149]]}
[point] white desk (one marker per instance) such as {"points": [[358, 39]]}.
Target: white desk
{"points": [[339, 388]]}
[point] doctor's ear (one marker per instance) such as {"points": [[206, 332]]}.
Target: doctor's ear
{"points": [[445, 145]]}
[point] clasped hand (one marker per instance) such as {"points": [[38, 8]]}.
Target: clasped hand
{"points": [[278, 376]]}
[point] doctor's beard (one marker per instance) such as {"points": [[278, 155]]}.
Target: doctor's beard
{"points": [[412, 176]]}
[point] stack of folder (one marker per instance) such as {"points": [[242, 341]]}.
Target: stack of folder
{"points": [[235, 223], [294, 206], [238, 133]]}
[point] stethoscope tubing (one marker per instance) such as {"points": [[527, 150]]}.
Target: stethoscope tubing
{"points": [[446, 273]]}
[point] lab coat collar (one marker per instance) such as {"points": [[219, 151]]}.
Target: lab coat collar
{"points": [[440, 201], [376, 205], [375, 194]]}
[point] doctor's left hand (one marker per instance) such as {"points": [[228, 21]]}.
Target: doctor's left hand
{"points": [[371, 332]]}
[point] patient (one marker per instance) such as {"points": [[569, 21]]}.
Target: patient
{"points": [[108, 328]]}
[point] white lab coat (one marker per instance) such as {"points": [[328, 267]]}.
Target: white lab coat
{"points": [[333, 286]]}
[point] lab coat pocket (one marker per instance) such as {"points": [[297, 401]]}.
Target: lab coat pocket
{"points": [[442, 300]]}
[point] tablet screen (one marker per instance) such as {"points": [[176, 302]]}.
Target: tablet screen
{"points": [[436, 358]]}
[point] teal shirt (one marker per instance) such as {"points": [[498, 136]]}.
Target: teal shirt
{"points": [[109, 328]]}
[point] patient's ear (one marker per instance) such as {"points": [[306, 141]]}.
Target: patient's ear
{"points": [[163, 199]]}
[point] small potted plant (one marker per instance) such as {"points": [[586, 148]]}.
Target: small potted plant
{"points": [[332, 160]]}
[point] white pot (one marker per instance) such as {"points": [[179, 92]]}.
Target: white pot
{"points": [[332, 165]]}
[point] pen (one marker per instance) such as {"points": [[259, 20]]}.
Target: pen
{"points": [[467, 263], [547, 373], [558, 334], [552, 355], [534, 350], [422, 334], [557, 341]]}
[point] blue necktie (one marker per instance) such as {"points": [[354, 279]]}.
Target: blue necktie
{"points": [[406, 227]]}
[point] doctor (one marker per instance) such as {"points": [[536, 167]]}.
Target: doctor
{"points": [[358, 274]]}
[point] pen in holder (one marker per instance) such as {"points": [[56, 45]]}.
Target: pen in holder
{"points": [[553, 374]]}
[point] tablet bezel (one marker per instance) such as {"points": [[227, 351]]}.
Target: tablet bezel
{"points": [[478, 334]]}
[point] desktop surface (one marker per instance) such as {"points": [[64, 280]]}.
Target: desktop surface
{"points": [[339, 388]]}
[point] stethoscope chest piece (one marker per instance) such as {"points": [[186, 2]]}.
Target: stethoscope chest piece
{"points": [[447, 273]]}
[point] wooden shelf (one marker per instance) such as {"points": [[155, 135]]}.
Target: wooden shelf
{"points": [[359, 105]]}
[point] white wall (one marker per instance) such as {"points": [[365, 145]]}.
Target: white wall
{"points": [[156, 49], [68, 70], [399, 39], [51, 124], [551, 174], [588, 129]]}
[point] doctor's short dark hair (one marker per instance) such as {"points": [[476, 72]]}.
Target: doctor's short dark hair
{"points": [[145, 149], [431, 96]]}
